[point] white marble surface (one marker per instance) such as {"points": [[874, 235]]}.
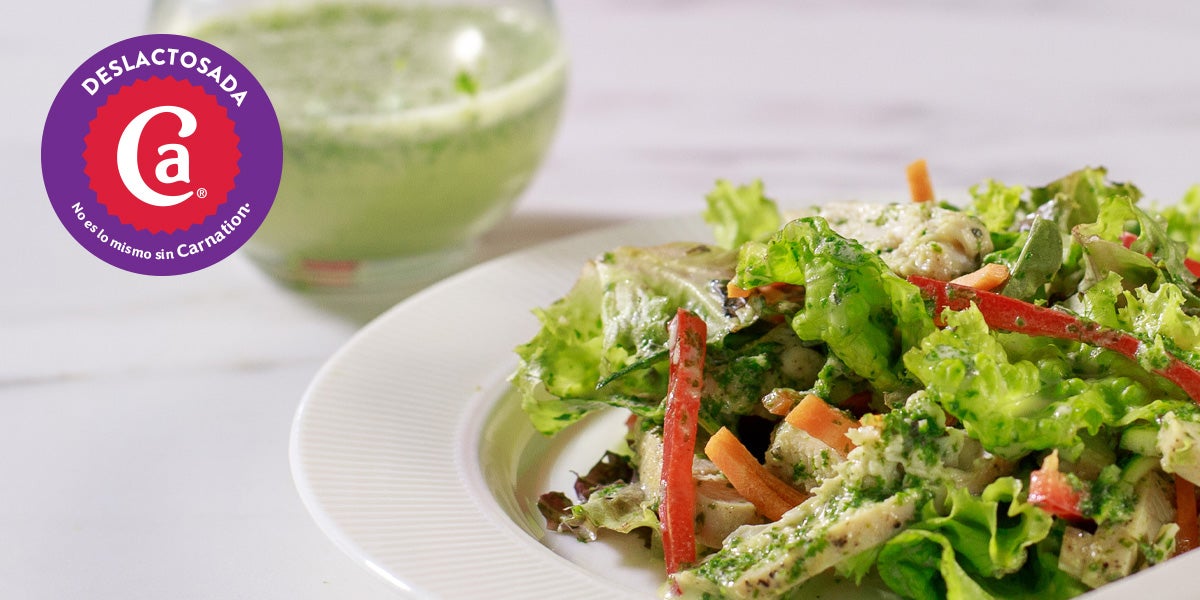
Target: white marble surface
{"points": [[144, 421]]}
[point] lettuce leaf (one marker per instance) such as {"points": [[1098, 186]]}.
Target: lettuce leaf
{"points": [[1075, 199], [604, 343], [995, 545], [1041, 255], [1155, 240], [921, 564], [992, 540], [1015, 407], [1068, 200], [1092, 214], [1104, 252], [1064, 359], [1157, 318], [741, 214], [620, 507], [996, 204], [1183, 221], [853, 302]]}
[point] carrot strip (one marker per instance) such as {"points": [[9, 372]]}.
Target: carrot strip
{"points": [[780, 401], [733, 291], [823, 422], [1188, 536], [770, 496], [988, 277], [919, 184], [771, 293], [774, 293]]}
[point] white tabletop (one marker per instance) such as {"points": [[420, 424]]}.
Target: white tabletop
{"points": [[144, 421]]}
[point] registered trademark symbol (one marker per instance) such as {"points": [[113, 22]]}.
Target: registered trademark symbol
{"points": [[201, 193]]}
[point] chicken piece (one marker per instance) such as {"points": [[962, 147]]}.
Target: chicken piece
{"points": [[768, 560], [913, 238], [1114, 550], [720, 509], [800, 459]]}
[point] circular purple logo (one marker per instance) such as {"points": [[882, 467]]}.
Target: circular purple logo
{"points": [[161, 154]]}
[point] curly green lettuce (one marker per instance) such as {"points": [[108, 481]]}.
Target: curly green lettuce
{"points": [[995, 545], [605, 341], [1014, 407], [1153, 259], [1079, 206], [1183, 221], [739, 214], [1157, 318], [865, 314], [996, 204], [923, 565]]}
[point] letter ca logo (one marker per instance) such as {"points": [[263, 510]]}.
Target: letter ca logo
{"points": [[144, 147], [153, 164], [127, 164]]}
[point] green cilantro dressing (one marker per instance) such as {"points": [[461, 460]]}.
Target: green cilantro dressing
{"points": [[406, 130]]}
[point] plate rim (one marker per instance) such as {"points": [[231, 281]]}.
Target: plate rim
{"points": [[573, 249]]}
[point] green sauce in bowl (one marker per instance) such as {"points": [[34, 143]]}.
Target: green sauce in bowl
{"points": [[407, 130]]}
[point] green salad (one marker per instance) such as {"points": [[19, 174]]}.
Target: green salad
{"points": [[995, 400]]}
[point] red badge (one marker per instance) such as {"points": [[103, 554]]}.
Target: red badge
{"points": [[150, 163]]}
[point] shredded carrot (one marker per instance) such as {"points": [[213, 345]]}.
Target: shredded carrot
{"points": [[823, 422], [777, 292], [734, 291], [771, 293], [770, 495], [780, 401], [1188, 536], [987, 278], [919, 184]]}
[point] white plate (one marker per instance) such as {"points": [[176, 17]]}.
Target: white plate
{"points": [[412, 456]]}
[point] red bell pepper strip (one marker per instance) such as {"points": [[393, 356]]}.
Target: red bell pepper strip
{"points": [[677, 511], [1051, 491], [1188, 536], [1194, 266], [1010, 314]]}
